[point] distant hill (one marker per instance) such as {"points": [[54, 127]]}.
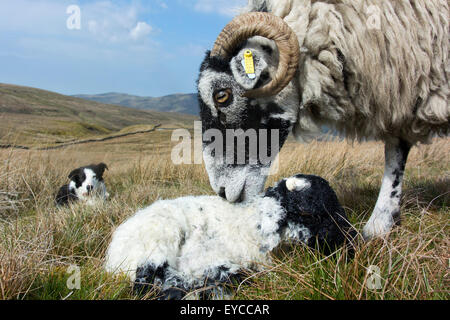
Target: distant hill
{"points": [[181, 103], [34, 116]]}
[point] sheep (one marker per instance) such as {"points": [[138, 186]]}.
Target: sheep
{"points": [[190, 243], [367, 69]]}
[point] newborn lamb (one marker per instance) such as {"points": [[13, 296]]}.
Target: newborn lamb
{"points": [[191, 243]]}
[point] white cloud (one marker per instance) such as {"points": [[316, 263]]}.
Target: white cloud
{"points": [[115, 23], [101, 20], [228, 8], [141, 30]]}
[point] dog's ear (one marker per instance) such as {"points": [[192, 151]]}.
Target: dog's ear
{"points": [[74, 175], [100, 169]]}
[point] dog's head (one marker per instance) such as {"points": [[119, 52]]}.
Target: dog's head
{"points": [[85, 181]]}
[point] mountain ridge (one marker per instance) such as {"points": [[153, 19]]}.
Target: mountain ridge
{"points": [[186, 103]]}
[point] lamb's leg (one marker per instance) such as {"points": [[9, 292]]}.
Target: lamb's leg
{"points": [[387, 209], [148, 276], [219, 281]]}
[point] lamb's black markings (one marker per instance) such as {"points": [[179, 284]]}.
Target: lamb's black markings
{"points": [[148, 275], [316, 208], [215, 286]]}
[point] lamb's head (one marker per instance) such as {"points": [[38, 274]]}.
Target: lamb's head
{"points": [[247, 115], [313, 214]]}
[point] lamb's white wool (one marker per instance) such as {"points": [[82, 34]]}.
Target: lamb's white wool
{"points": [[211, 233]]}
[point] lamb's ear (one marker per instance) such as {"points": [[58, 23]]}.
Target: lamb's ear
{"points": [[250, 81], [100, 169]]}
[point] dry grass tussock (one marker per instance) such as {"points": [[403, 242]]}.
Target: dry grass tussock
{"points": [[39, 241]]}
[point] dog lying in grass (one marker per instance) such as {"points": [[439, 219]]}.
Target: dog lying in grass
{"points": [[179, 246], [86, 184]]}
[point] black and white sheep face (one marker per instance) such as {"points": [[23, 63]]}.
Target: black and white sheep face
{"points": [[252, 130]]}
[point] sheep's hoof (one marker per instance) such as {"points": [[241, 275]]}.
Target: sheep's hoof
{"points": [[379, 226]]}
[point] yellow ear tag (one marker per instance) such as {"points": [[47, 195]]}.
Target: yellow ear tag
{"points": [[249, 63]]}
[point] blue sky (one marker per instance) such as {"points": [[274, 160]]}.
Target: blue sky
{"points": [[148, 48]]}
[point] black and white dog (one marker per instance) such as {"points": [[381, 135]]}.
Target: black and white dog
{"points": [[185, 244], [86, 184]]}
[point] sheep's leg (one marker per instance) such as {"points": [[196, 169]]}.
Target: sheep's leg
{"points": [[387, 209]]}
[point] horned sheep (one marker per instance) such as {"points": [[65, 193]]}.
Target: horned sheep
{"points": [[369, 69]]}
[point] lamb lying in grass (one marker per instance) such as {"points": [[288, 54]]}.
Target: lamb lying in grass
{"points": [[189, 243]]}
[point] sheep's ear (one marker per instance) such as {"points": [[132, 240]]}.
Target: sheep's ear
{"points": [[246, 80]]}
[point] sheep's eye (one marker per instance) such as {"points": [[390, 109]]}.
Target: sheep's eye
{"points": [[222, 96]]}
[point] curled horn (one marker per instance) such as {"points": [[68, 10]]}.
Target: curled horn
{"points": [[271, 27]]}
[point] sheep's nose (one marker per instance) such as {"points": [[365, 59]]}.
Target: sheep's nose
{"points": [[90, 188], [222, 193]]}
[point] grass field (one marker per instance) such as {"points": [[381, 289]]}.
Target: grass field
{"points": [[38, 242]]}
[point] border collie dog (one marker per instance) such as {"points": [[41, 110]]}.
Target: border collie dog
{"points": [[86, 184], [182, 245]]}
